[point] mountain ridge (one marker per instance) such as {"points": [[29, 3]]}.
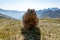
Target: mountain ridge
{"points": [[50, 12]]}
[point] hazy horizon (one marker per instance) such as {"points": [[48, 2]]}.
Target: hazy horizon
{"points": [[23, 5]]}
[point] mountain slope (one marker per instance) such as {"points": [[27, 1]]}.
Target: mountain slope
{"points": [[5, 16], [52, 13], [12, 13]]}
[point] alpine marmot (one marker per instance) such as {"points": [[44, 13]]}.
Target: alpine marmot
{"points": [[30, 19]]}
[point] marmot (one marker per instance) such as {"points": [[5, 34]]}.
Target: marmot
{"points": [[30, 19]]}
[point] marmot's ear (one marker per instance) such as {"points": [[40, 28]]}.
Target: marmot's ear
{"points": [[28, 10], [33, 10]]}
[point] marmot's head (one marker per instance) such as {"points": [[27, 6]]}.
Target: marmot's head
{"points": [[30, 19]]}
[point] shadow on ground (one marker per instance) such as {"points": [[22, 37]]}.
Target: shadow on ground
{"points": [[33, 33]]}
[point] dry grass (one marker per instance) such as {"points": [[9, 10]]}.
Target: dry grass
{"points": [[50, 29], [10, 29]]}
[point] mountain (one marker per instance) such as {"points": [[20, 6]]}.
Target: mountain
{"points": [[13, 13], [5, 16], [39, 12], [50, 12]]}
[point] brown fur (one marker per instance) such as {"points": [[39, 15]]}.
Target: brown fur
{"points": [[30, 19]]}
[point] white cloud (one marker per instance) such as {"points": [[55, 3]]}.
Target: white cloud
{"points": [[25, 4]]}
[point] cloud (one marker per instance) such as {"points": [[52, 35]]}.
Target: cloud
{"points": [[25, 4]]}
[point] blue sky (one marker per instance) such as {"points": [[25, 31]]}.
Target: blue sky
{"points": [[23, 5]]}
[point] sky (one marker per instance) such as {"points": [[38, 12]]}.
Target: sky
{"points": [[23, 5]]}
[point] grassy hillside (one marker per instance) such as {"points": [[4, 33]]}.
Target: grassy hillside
{"points": [[50, 29], [10, 29]]}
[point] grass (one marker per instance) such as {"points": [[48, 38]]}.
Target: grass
{"points": [[50, 29], [10, 29]]}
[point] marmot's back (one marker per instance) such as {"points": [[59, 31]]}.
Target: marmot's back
{"points": [[30, 19]]}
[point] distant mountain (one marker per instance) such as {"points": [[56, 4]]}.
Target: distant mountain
{"points": [[39, 12], [5, 16], [50, 12], [12, 13]]}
